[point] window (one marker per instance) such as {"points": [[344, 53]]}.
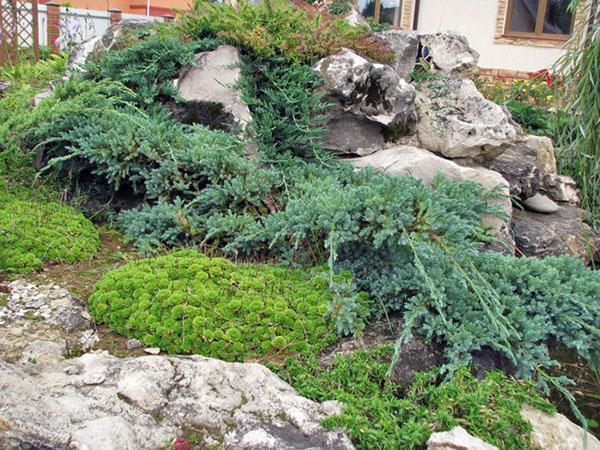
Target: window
{"points": [[380, 11], [547, 19]]}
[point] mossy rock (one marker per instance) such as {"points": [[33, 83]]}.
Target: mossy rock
{"points": [[34, 232], [186, 302]]}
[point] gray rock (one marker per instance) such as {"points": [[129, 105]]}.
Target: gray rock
{"points": [[415, 356], [520, 171], [104, 433], [456, 120], [42, 95], [348, 134], [405, 45], [544, 153], [541, 204], [560, 188], [457, 439], [210, 88], [113, 37], [450, 52], [365, 90], [132, 344], [88, 340], [38, 313], [422, 164], [556, 432], [79, 55], [147, 401], [563, 233]]}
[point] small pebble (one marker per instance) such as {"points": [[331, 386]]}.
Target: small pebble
{"points": [[152, 350], [133, 344]]}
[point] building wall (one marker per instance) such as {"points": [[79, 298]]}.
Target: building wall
{"points": [[482, 21], [158, 7]]}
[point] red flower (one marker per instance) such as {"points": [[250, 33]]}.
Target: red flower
{"points": [[549, 79], [180, 444]]}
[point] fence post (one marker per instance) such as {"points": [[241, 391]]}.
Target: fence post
{"points": [[115, 16], [53, 14], [168, 17]]}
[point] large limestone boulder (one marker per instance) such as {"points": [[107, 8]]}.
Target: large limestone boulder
{"points": [[210, 90], [405, 45], [366, 99], [450, 52], [365, 89], [99, 402], [457, 121], [564, 232], [422, 164], [556, 432]]}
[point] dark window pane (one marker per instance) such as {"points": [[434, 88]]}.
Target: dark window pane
{"points": [[366, 8], [390, 12], [524, 15], [558, 19]]}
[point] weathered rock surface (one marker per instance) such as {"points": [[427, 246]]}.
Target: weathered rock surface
{"points": [[370, 90], [366, 98], [563, 233], [450, 52], [405, 45], [556, 432], [209, 88], [347, 134], [458, 122], [457, 439], [530, 168], [543, 151], [560, 188], [422, 164], [517, 165], [29, 312], [142, 403]]}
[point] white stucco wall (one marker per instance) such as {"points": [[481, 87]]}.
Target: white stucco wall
{"points": [[476, 19]]}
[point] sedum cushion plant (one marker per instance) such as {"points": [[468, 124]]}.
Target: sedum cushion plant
{"points": [[33, 232], [185, 302]]}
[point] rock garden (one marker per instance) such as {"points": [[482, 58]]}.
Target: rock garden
{"points": [[272, 227]]}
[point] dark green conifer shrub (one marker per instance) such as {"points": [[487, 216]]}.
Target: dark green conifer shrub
{"points": [[147, 66], [33, 232], [185, 302], [287, 108], [378, 414]]}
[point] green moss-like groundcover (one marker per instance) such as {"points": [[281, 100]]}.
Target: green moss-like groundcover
{"points": [[186, 302], [32, 232], [379, 414]]}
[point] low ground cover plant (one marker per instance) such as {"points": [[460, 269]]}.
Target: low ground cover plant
{"points": [[379, 414], [185, 302], [34, 232]]}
